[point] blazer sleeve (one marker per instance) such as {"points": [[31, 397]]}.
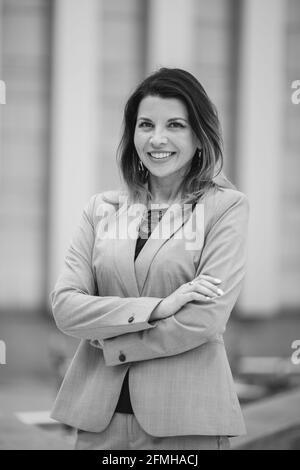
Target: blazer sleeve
{"points": [[77, 308], [223, 256]]}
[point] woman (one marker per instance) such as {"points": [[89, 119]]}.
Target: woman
{"points": [[149, 282]]}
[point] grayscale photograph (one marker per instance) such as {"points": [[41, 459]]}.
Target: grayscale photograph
{"points": [[149, 227]]}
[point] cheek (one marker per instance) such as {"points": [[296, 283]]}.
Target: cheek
{"points": [[138, 140], [187, 140], [190, 145], [135, 138]]}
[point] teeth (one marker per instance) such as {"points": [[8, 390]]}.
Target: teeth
{"points": [[161, 155]]}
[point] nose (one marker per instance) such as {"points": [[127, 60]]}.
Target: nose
{"points": [[158, 139]]}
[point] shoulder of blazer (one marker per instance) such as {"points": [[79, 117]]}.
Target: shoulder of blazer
{"points": [[225, 197], [219, 200], [114, 198], [104, 204]]}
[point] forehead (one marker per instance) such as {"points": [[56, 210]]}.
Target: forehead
{"points": [[156, 106]]}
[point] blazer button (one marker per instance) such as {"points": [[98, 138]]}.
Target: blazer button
{"points": [[122, 357], [130, 319]]}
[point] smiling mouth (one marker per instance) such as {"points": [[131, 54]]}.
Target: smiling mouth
{"points": [[160, 155]]}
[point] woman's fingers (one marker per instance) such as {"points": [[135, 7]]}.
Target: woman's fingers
{"points": [[214, 280], [199, 289], [206, 291], [211, 287], [203, 285], [196, 296]]}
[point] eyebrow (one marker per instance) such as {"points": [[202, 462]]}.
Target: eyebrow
{"points": [[171, 119]]}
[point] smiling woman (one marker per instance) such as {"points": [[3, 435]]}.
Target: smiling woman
{"points": [[165, 137], [151, 371], [177, 141]]}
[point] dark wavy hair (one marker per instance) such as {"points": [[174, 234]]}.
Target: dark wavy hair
{"points": [[203, 118]]}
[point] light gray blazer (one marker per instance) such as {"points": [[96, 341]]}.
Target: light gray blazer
{"points": [[180, 380]]}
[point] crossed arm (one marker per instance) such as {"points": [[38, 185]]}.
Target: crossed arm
{"points": [[79, 312], [78, 309]]}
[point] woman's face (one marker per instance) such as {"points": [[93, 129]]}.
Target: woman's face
{"points": [[163, 138]]}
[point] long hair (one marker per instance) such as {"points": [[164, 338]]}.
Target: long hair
{"points": [[203, 118]]}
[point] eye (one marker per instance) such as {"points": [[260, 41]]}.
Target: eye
{"points": [[144, 124], [177, 124]]}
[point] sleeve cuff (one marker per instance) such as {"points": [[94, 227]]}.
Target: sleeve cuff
{"points": [[134, 319]]}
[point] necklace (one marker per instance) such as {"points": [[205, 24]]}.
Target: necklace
{"points": [[150, 219]]}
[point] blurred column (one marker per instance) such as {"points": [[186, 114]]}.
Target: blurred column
{"points": [[76, 45], [2, 86], [1, 36], [170, 34], [259, 149]]}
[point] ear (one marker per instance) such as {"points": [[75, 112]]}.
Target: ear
{"points": [[199, 144]]}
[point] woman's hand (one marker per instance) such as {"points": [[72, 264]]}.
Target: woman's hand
{"points": [[202, 288]]}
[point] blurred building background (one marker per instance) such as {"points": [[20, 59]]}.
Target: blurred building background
{"points": [[69, 66]]}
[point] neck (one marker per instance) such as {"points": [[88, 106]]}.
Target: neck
{"points": [[164, 193]]}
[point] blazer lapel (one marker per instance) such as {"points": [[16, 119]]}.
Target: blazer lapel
{"points": [[172, 221], [125, 231]]}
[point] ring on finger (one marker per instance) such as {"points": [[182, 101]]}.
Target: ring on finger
{"points": [[191, 283]]}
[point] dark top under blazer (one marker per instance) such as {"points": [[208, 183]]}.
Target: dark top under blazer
{"points": [[124, 403]]}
